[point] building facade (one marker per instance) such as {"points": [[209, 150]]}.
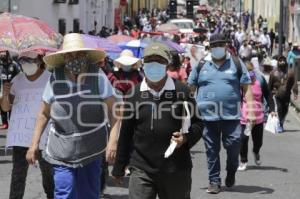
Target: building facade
{"points": [[294, 21], [134, 6], [66, 15]]}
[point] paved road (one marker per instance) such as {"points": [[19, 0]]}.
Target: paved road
{"points": [[277, 178]]}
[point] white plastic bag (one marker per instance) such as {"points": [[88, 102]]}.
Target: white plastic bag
{"points": [[272, 124]]}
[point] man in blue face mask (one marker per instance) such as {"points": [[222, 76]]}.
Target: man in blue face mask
{"points": [[219, 81], [150, 122]]}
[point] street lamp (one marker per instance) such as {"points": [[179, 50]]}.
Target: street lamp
{"points": [[9, 5], [252, 15]]}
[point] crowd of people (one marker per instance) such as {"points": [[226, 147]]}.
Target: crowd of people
{"points": [[133, 108]]}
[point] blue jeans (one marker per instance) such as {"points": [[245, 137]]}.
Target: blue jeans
{"points": [[78, 183], [231, 138]]}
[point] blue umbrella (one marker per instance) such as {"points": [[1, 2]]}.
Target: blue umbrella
{"points": [[136, 46]]}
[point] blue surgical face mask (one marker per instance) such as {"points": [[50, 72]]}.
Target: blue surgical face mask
{"points": [[218, 52], [155, 71]]}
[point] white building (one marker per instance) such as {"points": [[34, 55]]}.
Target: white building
{"points": [[66, 15]]}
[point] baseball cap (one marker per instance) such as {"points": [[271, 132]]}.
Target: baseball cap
{"points": [[217, 39], [159, 49]]}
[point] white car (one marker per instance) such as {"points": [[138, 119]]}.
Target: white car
{"points": [[184, 25]]}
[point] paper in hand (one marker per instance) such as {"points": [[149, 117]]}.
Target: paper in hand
{"points": [[186, 123]]}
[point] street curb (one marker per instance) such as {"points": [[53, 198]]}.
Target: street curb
{"points": [[295, 105]]}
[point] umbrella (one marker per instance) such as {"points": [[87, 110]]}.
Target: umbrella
{"points": [[168, 28], [21, 34], [112, 49], [120, 38], [174, 46], [136, 46]]}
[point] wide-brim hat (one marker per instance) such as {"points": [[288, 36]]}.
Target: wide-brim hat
{"points": [[127, 58], [73, 42]]}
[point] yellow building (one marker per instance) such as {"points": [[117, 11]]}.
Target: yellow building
{"points": [[135, 5], [266, 8]]}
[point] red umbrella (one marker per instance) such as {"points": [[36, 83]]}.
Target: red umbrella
{"points": [[120, 38], [21, 34], [168, 28]]}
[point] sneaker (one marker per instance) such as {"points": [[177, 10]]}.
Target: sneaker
{"points": [[243, 166], [4, 126], [213, 188], [257, 159], [230, 179]]}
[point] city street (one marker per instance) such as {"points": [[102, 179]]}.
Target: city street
{"points": [[277, 178]]}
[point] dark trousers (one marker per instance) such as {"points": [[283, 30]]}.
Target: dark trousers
{"points": [[283, 108], [176, 185], [257, 138], [4, 117], [19, 174]]}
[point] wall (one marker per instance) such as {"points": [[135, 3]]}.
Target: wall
{"points": [[266, 8], [87, 11]]}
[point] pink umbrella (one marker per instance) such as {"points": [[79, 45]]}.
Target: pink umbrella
{"points": [[21, 34], [120, 38]]}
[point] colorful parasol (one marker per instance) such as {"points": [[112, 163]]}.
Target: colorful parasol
{"points": [[21, 34]]}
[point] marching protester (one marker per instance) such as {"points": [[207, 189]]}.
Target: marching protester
{"points": [[78, 99], [23, 97], [126, 73], [219, 107], [148, 127], [281, 84], [175, 69], [8, 70], [260, 92]]}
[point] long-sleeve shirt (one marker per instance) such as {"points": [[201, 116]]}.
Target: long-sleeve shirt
{"points": [[281, 84], [147, 129]]}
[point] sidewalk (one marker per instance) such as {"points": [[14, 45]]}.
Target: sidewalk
{"points": [[296, 103]]}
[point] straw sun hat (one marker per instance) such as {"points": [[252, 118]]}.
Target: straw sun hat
{"points": [[73, 42], [127, 59]]}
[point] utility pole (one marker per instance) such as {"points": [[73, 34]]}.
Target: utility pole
{"points": [[252, 15], [240, 13], [9, 5], [281, 28]]}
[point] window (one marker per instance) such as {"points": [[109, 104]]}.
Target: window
{"points": [[62, 26], [76, 25], [59, 1], [73, 2]]}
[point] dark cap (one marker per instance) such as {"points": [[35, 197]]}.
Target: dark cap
{"points": [[281, 57], [218, 39]]}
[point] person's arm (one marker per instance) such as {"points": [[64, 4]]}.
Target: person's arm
{"points": [[193, 79], [7, 98], [41, 123], [114, 116]]}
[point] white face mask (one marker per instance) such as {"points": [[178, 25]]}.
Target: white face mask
{"points": [[29, 68], [218, 52]]}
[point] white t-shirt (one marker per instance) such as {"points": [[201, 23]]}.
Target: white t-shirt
{"points": [[240, 36], [27, 102]]}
